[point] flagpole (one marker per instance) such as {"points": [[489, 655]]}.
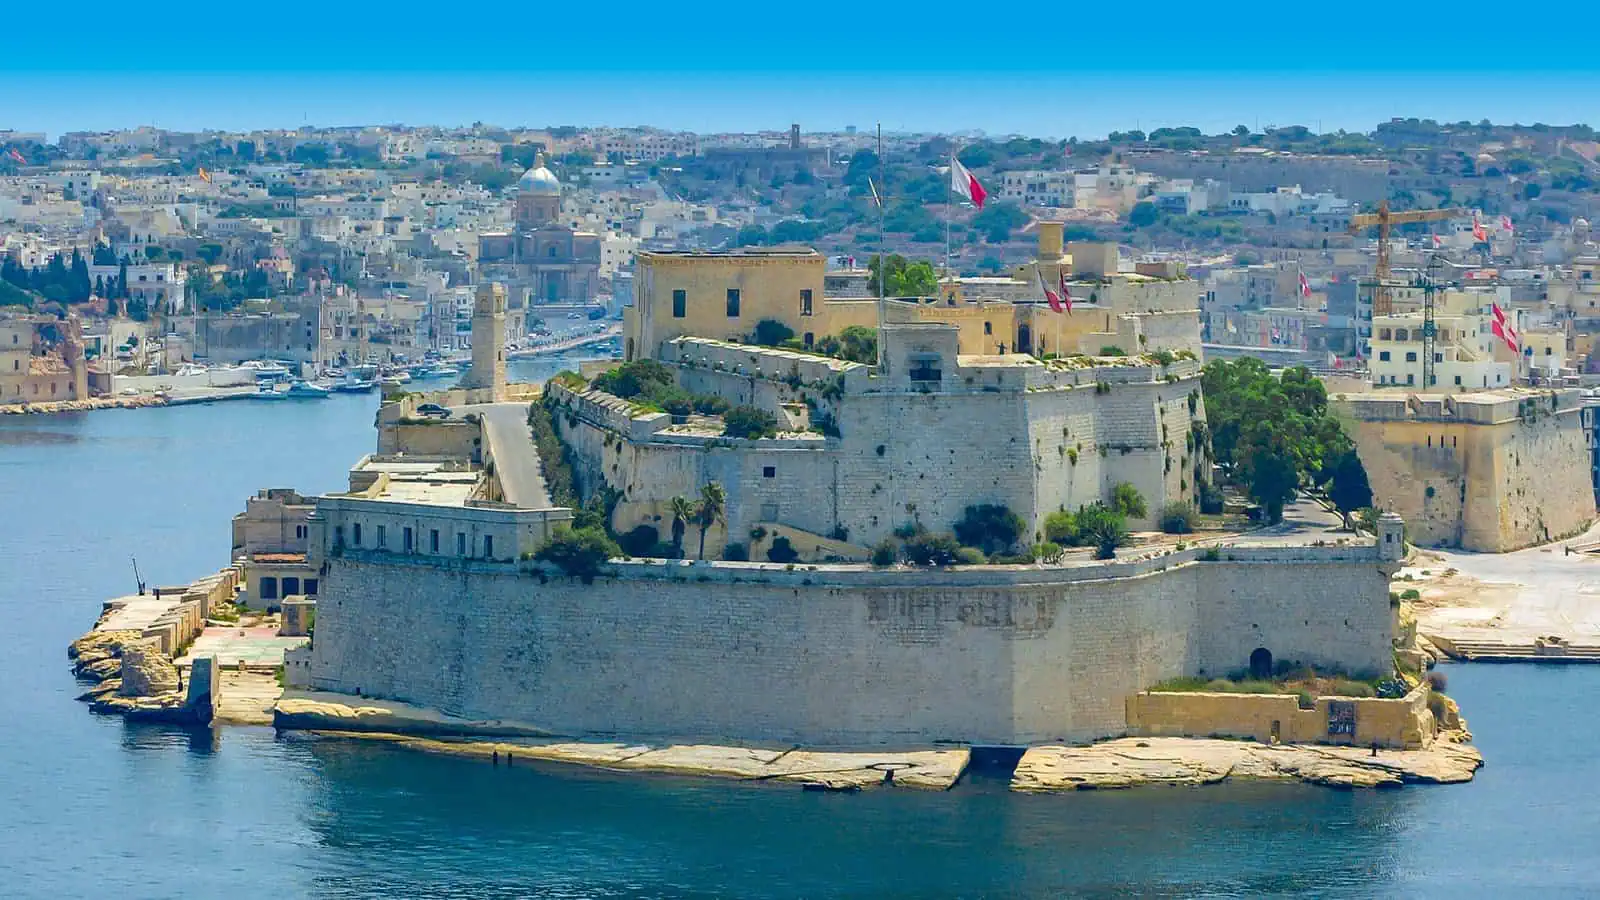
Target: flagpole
{"points": [[949, 205], [881, 262]]}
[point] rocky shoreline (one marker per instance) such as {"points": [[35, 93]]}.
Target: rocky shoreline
{"points": [[136, 680], [59, 406]]}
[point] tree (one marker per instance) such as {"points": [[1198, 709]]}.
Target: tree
{"points": [[1126, 499], [713, 506], [1061, 527], [998, 220], [902, 278], [1104, 527], [749, 422], [782, 551], [1241, 130], [990, 527], [578, 552], [682, 513], [1178, 518], [857, 343], [1144, 214], [771, 333], [926, 549], [1348, 488]]}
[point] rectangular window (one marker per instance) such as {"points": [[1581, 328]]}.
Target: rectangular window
{"points": [[733, 303], [383, 538], [269, 588], [1383, 356], [291, 585], [338, 535], [805, 302], [461, 543], [1411, 357], [300, 532], [680, 304], [769, 471], [310, 587], [355, 531], [1458, 379], [405, 539], [433, 540], [488, 546]]}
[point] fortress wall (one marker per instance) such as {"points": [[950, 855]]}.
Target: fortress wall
{"points": [[692, 652]]}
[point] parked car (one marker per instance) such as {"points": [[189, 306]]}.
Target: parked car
{"points": [[433, 410]]}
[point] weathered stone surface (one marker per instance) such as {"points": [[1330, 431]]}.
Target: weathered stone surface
{"points": [[98, 654], [147, 672], [1128, 762]]}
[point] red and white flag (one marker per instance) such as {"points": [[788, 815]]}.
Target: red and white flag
{"points": [[1438, 241], [1504, 330], [1052, 296], [16, 156], [876, 200], [1479, 234], [1066, 295], [965, 184], [1505, 224], [1305, 286]]}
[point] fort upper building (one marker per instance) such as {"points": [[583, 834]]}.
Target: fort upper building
{"points": [[725, 295]]}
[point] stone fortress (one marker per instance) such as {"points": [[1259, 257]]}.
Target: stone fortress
{"points": [[429, 595]]}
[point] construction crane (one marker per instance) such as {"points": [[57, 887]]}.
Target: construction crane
{"points": [[1382, 301]]}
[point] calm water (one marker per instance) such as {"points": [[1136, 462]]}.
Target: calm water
{"points": [[92, 805]]}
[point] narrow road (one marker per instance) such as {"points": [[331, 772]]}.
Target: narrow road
{"points": [[516, 459]]}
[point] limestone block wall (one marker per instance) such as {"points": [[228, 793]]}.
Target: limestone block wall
{"points": [[831, 656], [1403, 723]]}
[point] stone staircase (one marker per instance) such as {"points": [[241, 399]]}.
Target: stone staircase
{"points": [[1540, 650]]}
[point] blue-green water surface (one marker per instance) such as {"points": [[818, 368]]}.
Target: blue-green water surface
{"points": [[92, 806]]}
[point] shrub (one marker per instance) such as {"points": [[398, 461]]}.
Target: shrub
{"points": [[1210, 499], [1112, 350], [782, 551], [1104, 527], [736, 552], [749, 422], [1178, 518], [634, 378], [1392, 689], [927, 549], [673, 400], [710, 404], [1306, 700], [1410, 594], [1048, 552], [884, 553], [579, 552], [640, 541], [1437, 682], [990, 527], [969, 556], [1346, 688], [771, 333], [1061, 527], [1126, 499], [1209, 554]]}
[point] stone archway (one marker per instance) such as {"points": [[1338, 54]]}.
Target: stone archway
{"points": [[1024, 339], [1261, 663]]}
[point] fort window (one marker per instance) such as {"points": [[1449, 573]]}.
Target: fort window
{"points": [[805, 302], [300, 532], [310, 587], [1411, 356], [433, 540], [1438, 357], [680, 302], [383, 538], [355, 531], [291, 586], [461, 543], [1411, 378], [269, 588], [1383, 356], [405, 539], [488, 546], [808, 340], [338, 536], [988, 328], [1458, 380], [733, 303], [925, 367], [769, 471]]}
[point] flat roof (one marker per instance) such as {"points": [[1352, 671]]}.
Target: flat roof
{"points": [[788, 250]]}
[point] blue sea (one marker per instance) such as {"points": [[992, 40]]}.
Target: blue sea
{"points": [[92, 806]]}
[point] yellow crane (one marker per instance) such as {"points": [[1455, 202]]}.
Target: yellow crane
{"points": [[1384, 220]]}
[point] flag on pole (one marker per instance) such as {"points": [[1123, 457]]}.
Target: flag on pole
{"points": [[1478, 232], [1066, 295], [1438, 241], [876, 200], [965, 184], [16, 156], [1305, 286], [1504, 330], [1051, 296], [1505, 224], [204, 175]]}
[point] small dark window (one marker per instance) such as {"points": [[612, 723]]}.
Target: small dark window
{"points": [[405, 538], [805, 302], [809, 339], [383, 537], [680, 304], [355, 531], [433, 540], [1411, 357], [1383, 355], [769, 471], [988, 328], [269, 588], [461, 543], [488, 546], [291, 586], [733, 303], [311, 587]]}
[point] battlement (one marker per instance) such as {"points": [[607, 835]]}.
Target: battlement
{"points": [[1476, 408]]}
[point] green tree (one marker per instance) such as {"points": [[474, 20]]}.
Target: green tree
{"points": [[712, 510], [771, 333], [998, 220], [1144, 214], [902, 278], [990, 527], [682, 514], [1104, 527], [579, 552], [751, 422], [1126, 499], [857, 343]]}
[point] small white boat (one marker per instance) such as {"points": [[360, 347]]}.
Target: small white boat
{"points": [[268, 390], [306, 390]]}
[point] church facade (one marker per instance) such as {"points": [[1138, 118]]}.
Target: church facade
{"points": [[548, 261]]}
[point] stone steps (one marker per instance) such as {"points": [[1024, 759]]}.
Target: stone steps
{"points": [[1490, 650]]}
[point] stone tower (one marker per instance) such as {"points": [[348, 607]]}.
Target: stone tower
{"points": [[488, 340]]}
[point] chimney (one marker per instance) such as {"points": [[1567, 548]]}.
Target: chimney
{"points": [[794, 137], [1050, 241]]}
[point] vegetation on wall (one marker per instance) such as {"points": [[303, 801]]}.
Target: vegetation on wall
{"points": [[579, 552], [857, 343], [750, 422], [555, 460]]}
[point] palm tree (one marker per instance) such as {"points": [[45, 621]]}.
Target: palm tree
{"points": [[682, 513], [713, 503]]}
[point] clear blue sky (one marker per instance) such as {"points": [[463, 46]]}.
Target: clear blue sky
{"points": [[746, 66]]}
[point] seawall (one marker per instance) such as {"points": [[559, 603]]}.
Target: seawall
{"points": [[834, 655]]}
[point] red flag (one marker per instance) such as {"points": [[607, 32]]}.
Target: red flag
{"points": [[1052, 296], [1478, 232], [964, 184], [1505, 224], [1437, 242], [16, 156], [1503, 330], [1066, 295], [1305, 286]]}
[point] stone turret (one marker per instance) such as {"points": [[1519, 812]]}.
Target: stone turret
{"points": [[488, 341], [1391, 537]]}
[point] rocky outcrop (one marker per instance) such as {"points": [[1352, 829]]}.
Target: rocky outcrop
{"points": [[146, 672], [98, 654], [1129, 762], [56, 406]]}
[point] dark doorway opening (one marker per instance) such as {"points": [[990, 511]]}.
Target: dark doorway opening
{"points": [[1261, 663]]}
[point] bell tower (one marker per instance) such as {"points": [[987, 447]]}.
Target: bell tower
{"points": [[488, 340]]}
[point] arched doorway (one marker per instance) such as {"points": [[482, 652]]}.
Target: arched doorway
{"points": [[1261, 663], [1024, 339]]}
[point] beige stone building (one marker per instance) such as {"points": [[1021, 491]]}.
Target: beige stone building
{"points": [[269, 543], [1489, 471], [41, 360]]}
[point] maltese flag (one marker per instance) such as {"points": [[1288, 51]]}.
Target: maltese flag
{"points": [[1479, 234], [1501, 325], [1049, 295], [1305, 286], [1438, 242], [965, 185], [1505, 224]]}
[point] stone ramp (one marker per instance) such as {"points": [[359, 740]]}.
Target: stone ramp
{"points": [[1497, 649]]}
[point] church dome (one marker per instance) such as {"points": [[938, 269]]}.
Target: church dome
{"points": [[539, 180]]}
